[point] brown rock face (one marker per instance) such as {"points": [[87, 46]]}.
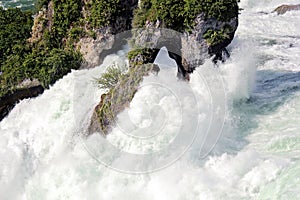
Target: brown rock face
{"points": [[285, 8]]}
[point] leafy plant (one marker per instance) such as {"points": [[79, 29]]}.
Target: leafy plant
{"points": [[110, 78]]}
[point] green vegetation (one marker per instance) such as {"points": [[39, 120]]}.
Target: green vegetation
{"points": [[180, 14], [141, 56], [103, 12], [66, 13], [110, 78], [15, 27], [20, 60], [215, 37], [120, 94]]}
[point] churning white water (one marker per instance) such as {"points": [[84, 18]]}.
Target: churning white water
{"points": [[232, 132]]}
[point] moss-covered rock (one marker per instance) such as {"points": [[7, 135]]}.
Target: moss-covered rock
{"points": [[179, 15], [118, 98], [208, 27]]}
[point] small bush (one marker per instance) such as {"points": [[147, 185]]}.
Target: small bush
{"points": [[110, 78]]}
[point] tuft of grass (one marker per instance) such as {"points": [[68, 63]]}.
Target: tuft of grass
{"points": [[110, 78], [120, 93]]}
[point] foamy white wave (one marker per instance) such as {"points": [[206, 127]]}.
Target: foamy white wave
{"points": [[256, 155]]}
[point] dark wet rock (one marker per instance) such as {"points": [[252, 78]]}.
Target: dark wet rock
{"points": [[7, 102]]}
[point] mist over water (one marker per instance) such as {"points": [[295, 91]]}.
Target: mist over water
{"points": [[256, 156]]}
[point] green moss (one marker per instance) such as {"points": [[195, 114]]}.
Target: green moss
{"points": [[180, 14]]}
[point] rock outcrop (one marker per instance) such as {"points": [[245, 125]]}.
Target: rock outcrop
{"points": [[191, 31], [94, 49], [118, 98], [285, 8], [207, 28], [99, 40]]}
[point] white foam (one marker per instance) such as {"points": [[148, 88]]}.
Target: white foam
{"points": [[42, 156]]}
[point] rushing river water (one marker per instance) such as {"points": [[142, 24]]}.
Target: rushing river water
{"points": [[23, 4], [44, 156]]}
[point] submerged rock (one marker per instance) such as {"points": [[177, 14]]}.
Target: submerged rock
{"points": [[285, 8]]}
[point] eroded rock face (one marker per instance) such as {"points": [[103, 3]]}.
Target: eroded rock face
{"points": [[208, 35], [94, 49], [285, 8], [118, 98], [43, 21], [196, 47]]}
